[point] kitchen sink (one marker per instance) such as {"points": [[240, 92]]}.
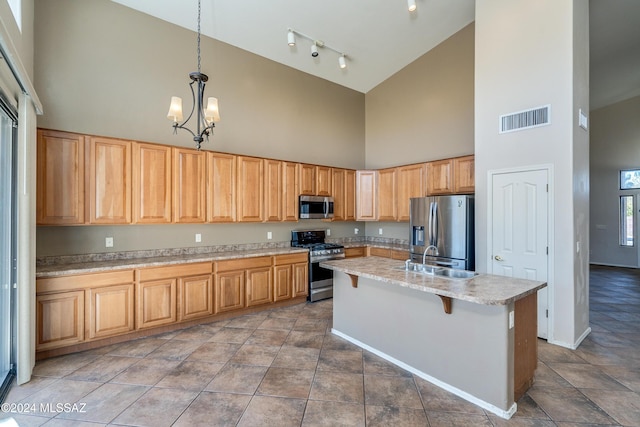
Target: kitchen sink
{"points": [[434, 270]]}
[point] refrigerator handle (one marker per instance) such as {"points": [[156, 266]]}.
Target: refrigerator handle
{"points": [[431, 223], [435, 224]]}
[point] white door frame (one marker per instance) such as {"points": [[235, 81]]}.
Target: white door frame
{"points": [[550, 209]]}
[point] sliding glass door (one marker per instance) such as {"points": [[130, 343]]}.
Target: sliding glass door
{"points": [[7, 246]]}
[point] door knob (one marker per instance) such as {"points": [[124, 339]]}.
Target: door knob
{"points": [[498, 258]]}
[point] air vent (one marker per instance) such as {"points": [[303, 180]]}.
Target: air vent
{"points": [[527, 119]]}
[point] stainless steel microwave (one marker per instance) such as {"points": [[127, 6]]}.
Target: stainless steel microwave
{"points": [[315, 207]]}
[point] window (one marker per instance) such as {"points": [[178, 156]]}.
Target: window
{"points": [[16, 9], [630, 179], [626, 220]]}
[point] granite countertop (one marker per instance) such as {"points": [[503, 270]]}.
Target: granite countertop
{"points": [[64, 269], [486, 289]]}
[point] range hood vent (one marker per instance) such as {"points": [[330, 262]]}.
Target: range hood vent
{"points": [[535, 117]]}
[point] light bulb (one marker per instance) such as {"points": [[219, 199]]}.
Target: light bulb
{"points": [[291, 37], [412, 5], [342, 62]]}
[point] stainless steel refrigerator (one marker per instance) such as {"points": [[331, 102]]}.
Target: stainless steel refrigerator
{"points": [[443, 226]]}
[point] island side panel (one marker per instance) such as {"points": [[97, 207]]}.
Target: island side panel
{"points": [[470, 350]]}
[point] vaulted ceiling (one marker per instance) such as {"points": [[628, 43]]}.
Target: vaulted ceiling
{"points": [[380, 37]]}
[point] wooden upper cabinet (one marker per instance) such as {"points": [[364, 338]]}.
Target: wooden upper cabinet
{"points": [[349, 195], [151, 183], [109, 181], [221, 187], [289, 191], [60, 178], [440, 177], [411, 183], [387, 195], [307, 179], [338, 192], [273, 190], [250, 186], [323, 181], [464, 174], [188, 185], [366, 195]]}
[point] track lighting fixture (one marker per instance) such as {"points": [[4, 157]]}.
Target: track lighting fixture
{"points": [[315, 44], [342, 62], [412, 5]]}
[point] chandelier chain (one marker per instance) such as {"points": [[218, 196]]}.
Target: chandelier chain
{"points": [[198, 36]]}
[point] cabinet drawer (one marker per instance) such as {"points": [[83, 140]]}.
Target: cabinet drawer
{"points": [[290, 258], [382, 252], [354, 252], [181, 270], [83, 281], [243, 263], [398, 254]]}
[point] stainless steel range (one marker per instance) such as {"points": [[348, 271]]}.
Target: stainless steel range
{"points": [[320, 279]]}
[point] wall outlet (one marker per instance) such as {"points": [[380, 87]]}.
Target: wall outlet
{"points": [[328, 232], [511, 320], [380, 231], [198, 237], [108, 242], [269, 235], [356, 230]]}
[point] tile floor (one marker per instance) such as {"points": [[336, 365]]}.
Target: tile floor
{"points": [[284, 368]]}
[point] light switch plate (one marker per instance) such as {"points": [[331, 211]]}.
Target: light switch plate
{"points": [[511, 320], [108, 242], [198, 237], [269, 235]]}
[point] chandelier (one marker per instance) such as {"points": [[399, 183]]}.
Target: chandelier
{"points": [[205, 118]]}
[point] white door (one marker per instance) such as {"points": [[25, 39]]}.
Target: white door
{"points": [[520, 231]]}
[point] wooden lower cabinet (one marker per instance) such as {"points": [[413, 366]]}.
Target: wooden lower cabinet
{"points": [[109, 310], [173, 293], [229, 291], [195, 297], [59, 319], [157, 303], [259, 286], [72, 311], [290, 276], [355, 252]]}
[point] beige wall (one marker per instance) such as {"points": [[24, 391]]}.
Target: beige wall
{"points": [[615, 133], [514, 72], [105, 69], [425, 111]]}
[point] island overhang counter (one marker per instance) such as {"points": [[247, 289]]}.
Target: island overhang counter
{"points": [[474, 337]]}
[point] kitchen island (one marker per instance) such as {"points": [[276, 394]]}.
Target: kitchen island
{"points": [[474, 337]]}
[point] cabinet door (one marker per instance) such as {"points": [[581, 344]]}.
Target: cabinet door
{"points": [[188, 185], [411, 181], [366, 195], [300, 279], [109, 181], [250, 189], [307, 180], [109, 310], [229, 291], [157, 303], [221, 187], [60, 178], [290, 191], [323, 181], [387, 195], [258, 286], [282, 282], [338, 195], [381, 252], [464, 175], [350, 195], [151, 183], [59, 319], [195, 297], [273, 190], [440, 177]]}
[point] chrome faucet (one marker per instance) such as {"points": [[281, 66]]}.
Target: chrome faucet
{"points": [[424, 255]]}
